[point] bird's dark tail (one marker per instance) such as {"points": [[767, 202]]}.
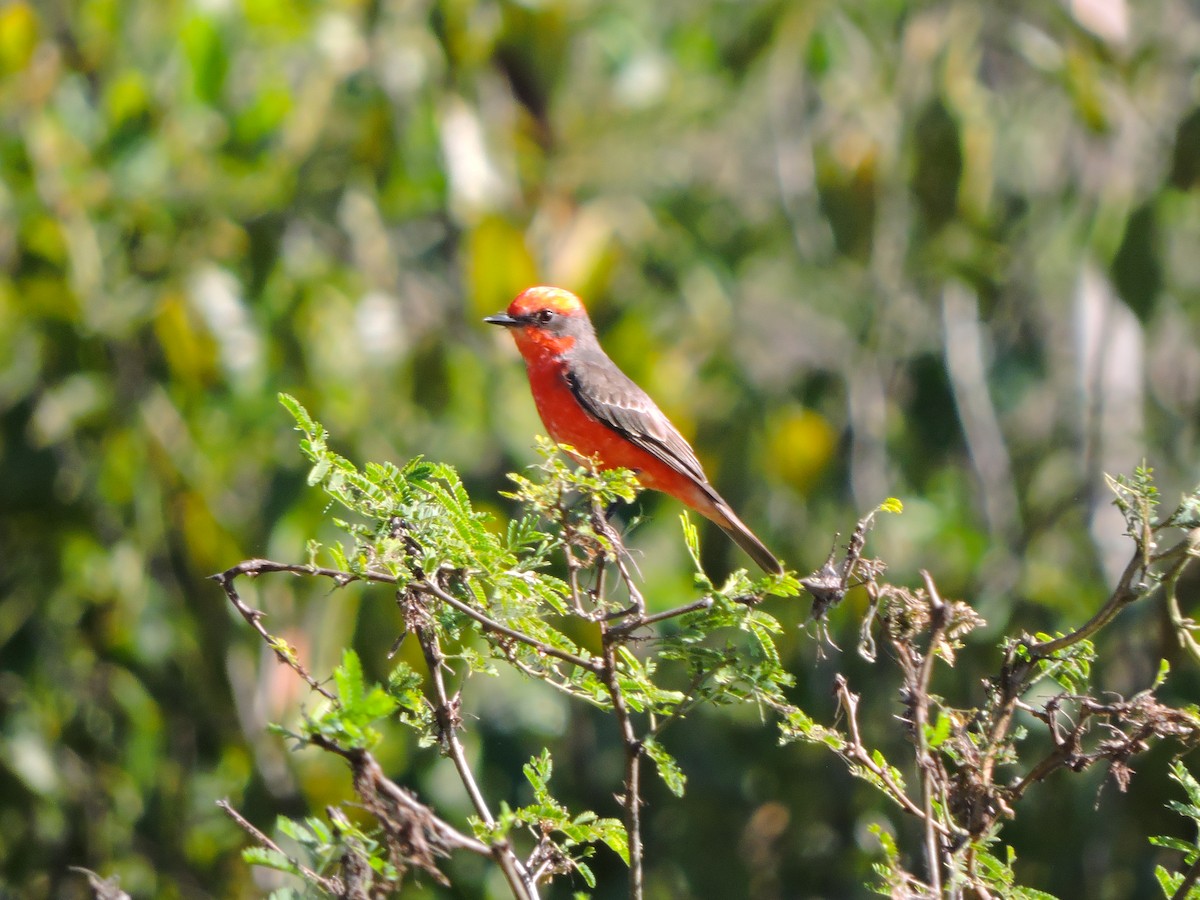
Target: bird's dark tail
{"points": [[747, 540]]}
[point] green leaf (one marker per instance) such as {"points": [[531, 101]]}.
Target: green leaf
{"points": [[691, 538], [1169, 882], [1187, 514], [537, 773], [585, 873], [204, 48], [668, 768], [271, 859], [299, 413], [887, 841], [349, 678], [1173, 843], [612, 832], [1164, 669], [936, 734], [319, 472]]}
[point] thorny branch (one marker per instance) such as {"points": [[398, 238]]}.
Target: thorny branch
{"points": [[403, 818], [449, 722], [371, 784], [392, 805], [1125, 593], [1184, 627], [600, 546], [413, 833], [633, 623], [960, 800], [1130, 589], [597, 546], [1130, 725], [252, 568]]}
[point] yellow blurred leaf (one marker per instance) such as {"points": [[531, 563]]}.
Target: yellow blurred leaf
{"points": [[190, 352], [583, 253], [44, 236], [800, 444], [126, 98], [1083, 77], [18, 36], [499, 264], [209, 546]]}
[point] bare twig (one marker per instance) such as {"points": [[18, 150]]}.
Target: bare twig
{"points": [[102, 888], [523, 887], [859, 755], [449, 722], [632, 800], [252, 568], [1066, 752], [255, 567], [1009, 685], [1129, 724], [329, 885], [930, 771], [449, 836], [1184, 627], [1127, 592], [1124, 594], [641, 621]]}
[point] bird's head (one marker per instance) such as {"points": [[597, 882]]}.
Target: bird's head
{"points": [[545, 320]]}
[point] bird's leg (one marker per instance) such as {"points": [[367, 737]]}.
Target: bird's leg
{"points": [[638, 604], [601, 524], [597, 589]]}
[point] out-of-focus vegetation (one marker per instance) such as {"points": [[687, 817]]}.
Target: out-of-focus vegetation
{"points": [[945, 252]]}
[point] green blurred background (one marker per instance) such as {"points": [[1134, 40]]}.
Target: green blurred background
{"points": [[944, 251]]}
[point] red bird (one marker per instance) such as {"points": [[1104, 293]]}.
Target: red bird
{"points": [[587, 402]]}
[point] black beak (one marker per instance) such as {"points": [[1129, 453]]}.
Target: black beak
{"points": [[503, 319]]}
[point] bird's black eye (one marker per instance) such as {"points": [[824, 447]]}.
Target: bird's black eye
{"points": [[544, 316]]}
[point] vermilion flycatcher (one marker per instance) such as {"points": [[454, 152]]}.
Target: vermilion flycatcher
{"points": [[585, 401]]}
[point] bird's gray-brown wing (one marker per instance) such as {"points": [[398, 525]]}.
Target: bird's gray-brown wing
{"points": [[611, 397]]}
